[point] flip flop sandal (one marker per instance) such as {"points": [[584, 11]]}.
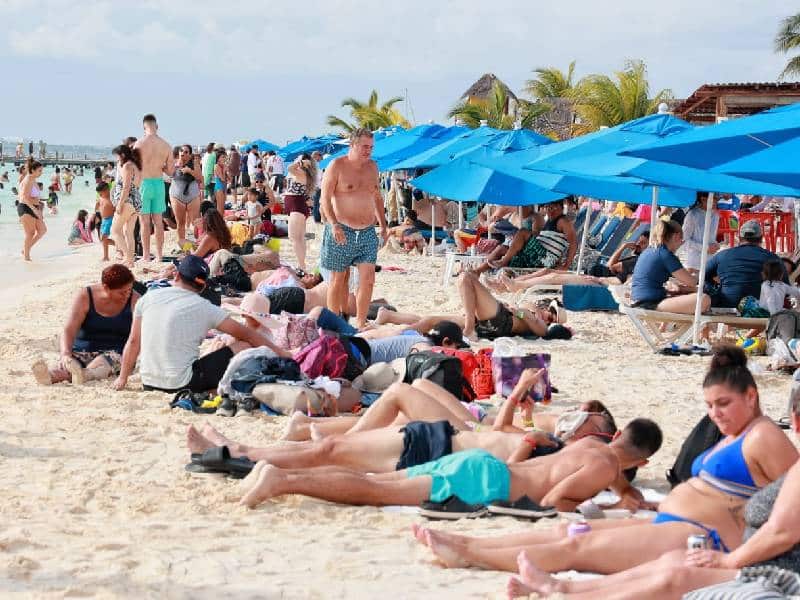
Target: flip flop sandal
{"points": [[218, 460], [524, 508], [452, 509], [784, 422]]}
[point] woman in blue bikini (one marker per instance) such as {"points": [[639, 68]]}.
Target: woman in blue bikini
{"points": [[754, 453]]}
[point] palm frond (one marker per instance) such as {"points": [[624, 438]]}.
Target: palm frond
{"points": [[788, 36], [792, 68], [335, 121]]}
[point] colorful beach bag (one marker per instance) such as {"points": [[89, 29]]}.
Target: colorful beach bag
{"points": [[295, 331], [507, 370], [324, 356]]}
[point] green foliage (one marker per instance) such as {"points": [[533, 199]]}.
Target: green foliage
{"points": [[786, 40], [369, 114], [550, 82]]}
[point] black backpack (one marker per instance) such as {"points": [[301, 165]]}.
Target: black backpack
{"points": [[784, 324], [359, 355], [441, 369], [234, 275], [704, 435]]}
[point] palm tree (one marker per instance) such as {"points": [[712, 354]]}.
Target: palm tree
{"points": [[788, 39], [551, 82], [370, 114], [600, 100], [493, 110]]}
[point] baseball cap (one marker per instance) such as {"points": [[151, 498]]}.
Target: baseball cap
{"points": [[194, 269], [751, 230], [449, 330]]}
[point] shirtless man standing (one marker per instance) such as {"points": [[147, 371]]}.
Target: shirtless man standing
{"points": [[351, 202], [156, 160]]}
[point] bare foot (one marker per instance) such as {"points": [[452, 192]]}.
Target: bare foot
{"points": [[41, 373], [266, 487], [444, 551], [75, 369], [516, 589], [196, 442], [217, 439], [418, 531], [496, 284], [297, 429], [536, 579], [316, 433], [250, 480]]}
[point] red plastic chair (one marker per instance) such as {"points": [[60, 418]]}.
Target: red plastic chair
{"points": [[767, 221], [784, 234], [725, 230]]}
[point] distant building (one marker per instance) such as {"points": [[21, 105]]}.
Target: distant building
{"points": [[714, 102], [482, 89]]}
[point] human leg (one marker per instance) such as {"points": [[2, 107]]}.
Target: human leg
{"points": [[479, 304], [158, 225], [179, 210], [684, 304], [297, 235], [517, 244], [445, 399], [29, 229], [302, 428], [415, 404], [144, 232], [337, 290], [337, 484], [41, 229]]}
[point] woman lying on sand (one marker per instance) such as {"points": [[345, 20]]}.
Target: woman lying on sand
{"points": [[96, 331], [754, 453], [484, 316], [771, 540]]}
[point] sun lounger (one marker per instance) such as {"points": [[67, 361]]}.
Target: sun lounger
{"points": [[648, 322]]}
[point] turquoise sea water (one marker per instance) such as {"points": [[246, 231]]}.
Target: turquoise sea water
{"points": [[58, 226]]}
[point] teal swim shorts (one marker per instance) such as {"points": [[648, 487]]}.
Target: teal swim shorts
{"points": [[474, 476], [152, 192]]}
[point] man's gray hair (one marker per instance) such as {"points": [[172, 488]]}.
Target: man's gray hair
{"points": [[359, 132]]}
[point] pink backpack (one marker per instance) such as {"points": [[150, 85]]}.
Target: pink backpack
{"points": [[295, 332], [324, 356]]}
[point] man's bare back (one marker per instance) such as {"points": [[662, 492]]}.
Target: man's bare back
{"points": [[354, 188], [156, 155]]}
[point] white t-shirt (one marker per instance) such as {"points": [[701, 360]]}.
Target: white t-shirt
{"points": [[773, 294], [276, 163], [174, 323], [252, 162]]}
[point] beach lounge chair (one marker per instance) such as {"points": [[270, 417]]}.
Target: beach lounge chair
{"points": [[647, 322]]}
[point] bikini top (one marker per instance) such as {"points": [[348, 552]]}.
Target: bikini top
{"points": [[726, 469], [35, 191]]}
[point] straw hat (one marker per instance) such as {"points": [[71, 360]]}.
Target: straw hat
{"points": [[378, 377], [256, 306]]}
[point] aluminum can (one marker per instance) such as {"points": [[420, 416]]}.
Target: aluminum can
{"points": [[696, 542], [578, 528]]}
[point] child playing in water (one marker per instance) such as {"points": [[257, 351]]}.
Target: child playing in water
{"points": [[80, 234], [106, 210], [52, 200]]}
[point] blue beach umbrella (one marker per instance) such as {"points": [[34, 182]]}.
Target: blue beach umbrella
{"points": [[707, 147], [447, 150], [779, 165], [261, 145]]}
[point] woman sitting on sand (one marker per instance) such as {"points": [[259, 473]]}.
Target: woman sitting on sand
{"points": [[484, 316], [96, 331], [754, 453], [80, 234], [654, 268], [770, 544], [216, 235]]}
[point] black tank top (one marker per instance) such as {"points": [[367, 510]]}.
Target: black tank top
{"points": [[552, 225], [99, 333]]}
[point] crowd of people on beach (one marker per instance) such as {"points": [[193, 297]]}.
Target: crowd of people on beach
{"points": [[391, 408]]}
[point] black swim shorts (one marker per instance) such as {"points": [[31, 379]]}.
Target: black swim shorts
{"points": [[501, 325], [424, 442]]}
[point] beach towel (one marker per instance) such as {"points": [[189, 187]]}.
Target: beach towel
{"points": [[588, 297]]}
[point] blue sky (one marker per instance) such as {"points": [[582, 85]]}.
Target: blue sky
{"points": [[85, 72]]}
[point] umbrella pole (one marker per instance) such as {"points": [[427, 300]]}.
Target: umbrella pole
{"points": [[433, 228], [653, 215], [460, 215], [701, 278], [586, 222]]}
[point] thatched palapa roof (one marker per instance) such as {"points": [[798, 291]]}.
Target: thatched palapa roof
{"points": [[483, 87]]}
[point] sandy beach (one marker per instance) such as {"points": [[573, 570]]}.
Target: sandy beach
{"points": [[97, 503]]}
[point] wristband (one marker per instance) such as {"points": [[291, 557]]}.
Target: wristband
{"points": [[530, 441]]}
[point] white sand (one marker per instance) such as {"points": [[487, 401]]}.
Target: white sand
{"points": [[96, 502]]}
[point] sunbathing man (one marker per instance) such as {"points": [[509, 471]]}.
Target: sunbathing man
{"points": [[754, 453], [474, 476], [484, 316], [374, 445]]}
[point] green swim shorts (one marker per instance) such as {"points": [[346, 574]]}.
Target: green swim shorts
{"points": [[474, 476], [152, 192]]}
